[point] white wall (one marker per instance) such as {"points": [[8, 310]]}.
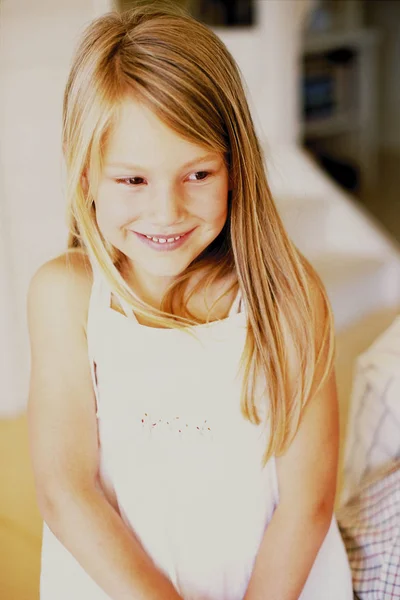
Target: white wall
{"points": [[36, 43]]}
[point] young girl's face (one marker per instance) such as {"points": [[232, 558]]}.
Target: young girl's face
{"points": [[155, 184]]}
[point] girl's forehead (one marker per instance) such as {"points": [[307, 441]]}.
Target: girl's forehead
{"points": [[139, 136], [135, 119]]}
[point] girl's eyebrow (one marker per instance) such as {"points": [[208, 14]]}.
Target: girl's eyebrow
{"points": [[125, 165]]}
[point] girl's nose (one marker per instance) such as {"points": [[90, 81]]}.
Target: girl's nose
{"points": [[166, 206]]}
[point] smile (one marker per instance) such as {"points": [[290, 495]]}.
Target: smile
{"points": [[164, 240], [164, 243]]}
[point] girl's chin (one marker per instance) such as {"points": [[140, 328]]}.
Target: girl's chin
{"points": [[165, 270]]}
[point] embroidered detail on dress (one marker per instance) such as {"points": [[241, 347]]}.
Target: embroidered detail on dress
{"points": [[184, 427]]}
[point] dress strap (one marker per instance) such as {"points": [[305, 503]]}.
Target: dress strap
{"points": [[126, 308], [92, 330], [102, 292], [237, 305]]}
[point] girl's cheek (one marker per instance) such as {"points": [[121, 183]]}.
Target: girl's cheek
{"points": [[117, 208]]}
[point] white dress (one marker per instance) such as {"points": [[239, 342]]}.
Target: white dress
{"points": [[181, 461]]}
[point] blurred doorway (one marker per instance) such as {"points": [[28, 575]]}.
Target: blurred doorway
{"points": [[216, 13], [350, 97]]}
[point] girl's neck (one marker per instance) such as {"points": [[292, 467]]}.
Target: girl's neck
{"points": [[149, 289], [152, 292]]}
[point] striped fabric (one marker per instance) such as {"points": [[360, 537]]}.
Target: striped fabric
{"points": [[370, 527], [373, 439]]}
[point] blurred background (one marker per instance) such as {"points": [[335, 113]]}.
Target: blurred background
{"points": [[323, 81]]}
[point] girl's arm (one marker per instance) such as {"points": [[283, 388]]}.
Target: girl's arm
{"points": [[307, 485], [64, 444]]}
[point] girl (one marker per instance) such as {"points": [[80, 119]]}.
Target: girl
{"points": [[183, 412]]}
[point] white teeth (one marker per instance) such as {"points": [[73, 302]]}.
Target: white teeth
{"points": [[163, 240]]}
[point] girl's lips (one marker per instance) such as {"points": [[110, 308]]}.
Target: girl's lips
{"points": [[165, 236], [164, 246]]}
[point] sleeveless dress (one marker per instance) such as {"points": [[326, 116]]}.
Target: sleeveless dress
{"points": [[179, 461]]}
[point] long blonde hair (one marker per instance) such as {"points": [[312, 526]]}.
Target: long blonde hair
{"points": [[159, 55]]}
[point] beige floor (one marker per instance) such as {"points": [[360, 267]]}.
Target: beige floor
{"points": [[20, 523]]}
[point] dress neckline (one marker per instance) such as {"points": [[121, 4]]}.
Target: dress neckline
{"points": [[105, 293], [235, 312]]}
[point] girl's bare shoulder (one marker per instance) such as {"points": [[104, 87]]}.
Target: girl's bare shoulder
{"points": [[65, 280]]}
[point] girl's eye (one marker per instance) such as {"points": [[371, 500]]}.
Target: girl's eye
{"points": [[201, 175], [131, 181], [136, 181]]}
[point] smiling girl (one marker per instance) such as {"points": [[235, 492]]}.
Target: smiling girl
{"points": [[183, 413]]}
